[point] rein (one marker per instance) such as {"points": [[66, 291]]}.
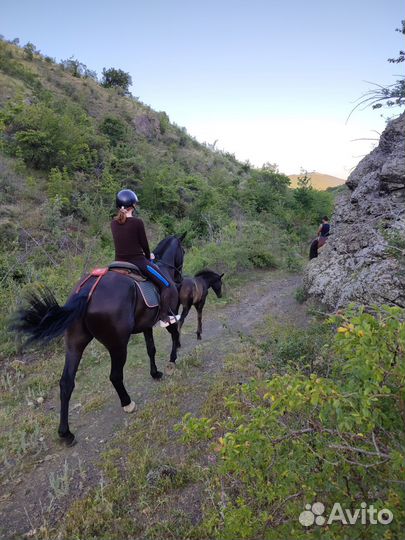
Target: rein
{"points": [[178, 269]]}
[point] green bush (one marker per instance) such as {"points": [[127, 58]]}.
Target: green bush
{"points": [[115, 129], [299, 438], [50, 134]]}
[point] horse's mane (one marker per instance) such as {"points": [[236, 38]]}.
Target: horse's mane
{"points": [[162, 246], [207, 273]]}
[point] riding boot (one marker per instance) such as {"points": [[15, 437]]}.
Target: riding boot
{"points": [[165, 318]]}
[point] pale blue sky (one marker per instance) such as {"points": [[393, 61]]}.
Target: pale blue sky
{"points": [[270, 80]]}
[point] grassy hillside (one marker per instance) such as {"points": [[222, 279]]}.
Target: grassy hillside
{"points": [[319, 181], [67, 145]]}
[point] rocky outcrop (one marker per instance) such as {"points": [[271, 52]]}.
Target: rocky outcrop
{"points": [[147, 125], [363, 260]]}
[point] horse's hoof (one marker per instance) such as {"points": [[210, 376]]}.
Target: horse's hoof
{"points": [[158, 375], [199, 337], [68, 440], [170, 368], [129, 408]]}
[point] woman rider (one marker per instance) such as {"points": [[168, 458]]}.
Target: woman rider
{"points": [[324, 228], [131, 245]]}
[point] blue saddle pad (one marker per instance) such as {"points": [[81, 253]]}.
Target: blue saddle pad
{"points": [[149, 292]]}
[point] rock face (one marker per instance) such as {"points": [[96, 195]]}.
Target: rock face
{"points": [[358, 262]]}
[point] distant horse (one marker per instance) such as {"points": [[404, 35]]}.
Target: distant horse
{"points": [[193, 292], [316, 245], [115, 310]]}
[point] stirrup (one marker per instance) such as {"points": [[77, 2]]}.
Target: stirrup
{"points": [[172, 320]]}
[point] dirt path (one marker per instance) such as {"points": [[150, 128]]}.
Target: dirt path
{"points": [[39, 496]]}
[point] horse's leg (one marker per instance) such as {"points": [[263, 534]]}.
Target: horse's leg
{"points": [[199, 308], [150, 347], [76, 339], [118, 354], [174, 332], [184, 313]]}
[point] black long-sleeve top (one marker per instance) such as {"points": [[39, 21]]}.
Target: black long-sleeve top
{"points": [[130, 240]]}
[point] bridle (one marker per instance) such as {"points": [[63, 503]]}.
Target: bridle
{"points": [[178, 269]]}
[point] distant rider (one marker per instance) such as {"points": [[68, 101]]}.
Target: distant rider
{"points": [[324, 228], [131, 245], [323, 232]]}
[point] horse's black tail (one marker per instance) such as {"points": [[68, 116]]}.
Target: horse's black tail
{"points": [[44, 319]]}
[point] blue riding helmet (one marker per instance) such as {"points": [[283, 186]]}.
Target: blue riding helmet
{"points": [[126, 198]]}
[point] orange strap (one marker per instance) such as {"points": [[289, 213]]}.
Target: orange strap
{"points": [[97, 272]]}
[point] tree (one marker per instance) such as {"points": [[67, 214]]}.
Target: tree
{"points": [[77, 68], [30, 50], [303, 194], [116, 78]]}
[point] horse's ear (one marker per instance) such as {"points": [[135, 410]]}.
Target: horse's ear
{"points": [[222, 275], [182, 236]]}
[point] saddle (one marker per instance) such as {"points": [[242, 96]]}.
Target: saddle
{"points": [[149, 292]]}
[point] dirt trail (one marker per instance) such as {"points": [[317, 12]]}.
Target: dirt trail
{"points": [[27, 503]]}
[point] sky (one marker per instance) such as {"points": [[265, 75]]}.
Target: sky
{"points": [[267, 80]]}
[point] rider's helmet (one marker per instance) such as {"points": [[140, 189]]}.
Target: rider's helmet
{"points": [[126, 198]]}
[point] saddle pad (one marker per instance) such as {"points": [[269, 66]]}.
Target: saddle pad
{"points": [[149, 293]]}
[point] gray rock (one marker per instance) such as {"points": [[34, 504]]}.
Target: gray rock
{"points": [[147, 125], [357, 264]]}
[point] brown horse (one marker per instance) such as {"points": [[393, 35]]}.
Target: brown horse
{"points": [[193, 292], [115, 310]]}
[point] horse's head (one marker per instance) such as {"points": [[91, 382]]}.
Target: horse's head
{"points": [[216, 285], [212, 280]]}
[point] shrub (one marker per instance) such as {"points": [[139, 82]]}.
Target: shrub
{"points": [[115, 129], [300, 438], [29, 50]]}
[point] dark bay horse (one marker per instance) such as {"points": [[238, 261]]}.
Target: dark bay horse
{"points": [[193, 292], [115, 310], [316, 245]]}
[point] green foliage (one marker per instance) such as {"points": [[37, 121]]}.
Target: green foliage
{"points": [[164, 122], [60, 186], [265, 190], [116, 78], [237, 248], [29, 50], [311, 204], [50, 134], [195, 429], [77, 69], [115, 129], [343, 432], [303, 193], [16, 69]]}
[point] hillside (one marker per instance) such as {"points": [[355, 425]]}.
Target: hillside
{"points": [[318, 180]]}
